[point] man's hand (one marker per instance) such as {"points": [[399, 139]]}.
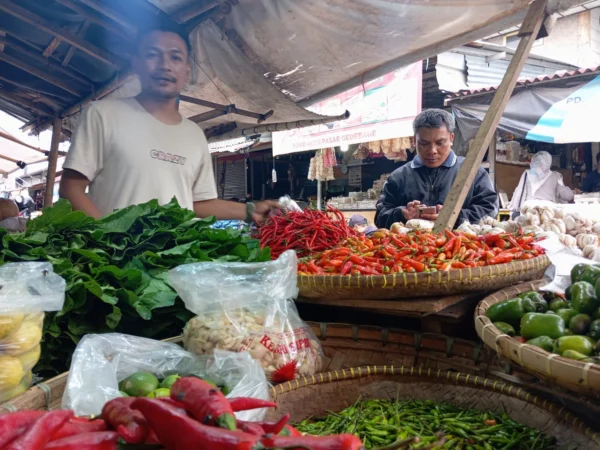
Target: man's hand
{"points": [[411, 211], [577, 191], [262, 210], [432, 217]]}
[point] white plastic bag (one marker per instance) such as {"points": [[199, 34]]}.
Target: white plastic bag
{"points": [[248, 307], [26, 291], [101, 361]]}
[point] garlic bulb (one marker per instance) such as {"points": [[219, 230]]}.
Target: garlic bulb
{"points": [[588, 250], [559, 213], [596, 228], [584, 240], [570, 222], [560, 224], [568, 240], [419, 224], [595, 256]]}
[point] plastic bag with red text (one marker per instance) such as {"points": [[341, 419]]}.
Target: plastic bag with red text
{"points": [[248, 308]]}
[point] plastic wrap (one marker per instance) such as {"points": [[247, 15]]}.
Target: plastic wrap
{"points": [[26, 290], [102, 361], [248, 307]]}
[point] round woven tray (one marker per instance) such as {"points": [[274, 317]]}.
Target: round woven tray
{"points": [[402, 285], [333, 391], [344, 346], [576, 376]]}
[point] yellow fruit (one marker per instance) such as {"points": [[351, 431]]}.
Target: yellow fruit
{"points": [[37, 318], [11, 372], [30, 358], [8, 324], [24, 339], [14, 392]]}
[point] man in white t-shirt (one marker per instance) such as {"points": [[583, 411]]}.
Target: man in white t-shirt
{"points": [[130, 151]]}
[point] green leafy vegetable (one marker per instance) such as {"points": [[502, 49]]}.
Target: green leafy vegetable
{"points": [[116, 268]]}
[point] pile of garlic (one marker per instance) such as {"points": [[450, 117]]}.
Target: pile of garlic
{"points": [[573, 230]]}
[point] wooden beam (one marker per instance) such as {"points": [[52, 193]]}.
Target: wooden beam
{"points": [[40, 109], [93, 16], [464, 180], [208, 115], [44, 75], [15, 44], [82, 29], [38, 96], [216, 15], [53, 45], [492, 158], [8, 6], [195, 9], [226, 109], [14, 139], [111, 14], [52, 159]]}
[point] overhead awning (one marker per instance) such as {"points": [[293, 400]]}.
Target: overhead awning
{"points": [[558, 109]]}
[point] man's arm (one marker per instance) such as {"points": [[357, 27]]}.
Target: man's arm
{"points": [[222, 209], [484, 201], [389, 208], [72, 188]]}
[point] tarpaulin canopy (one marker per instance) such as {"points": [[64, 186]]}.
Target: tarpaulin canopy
{"points": [[559, 109], [260, 55]]}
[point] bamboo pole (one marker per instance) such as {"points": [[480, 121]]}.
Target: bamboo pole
{"points": [[466, 175], [52, 159]]}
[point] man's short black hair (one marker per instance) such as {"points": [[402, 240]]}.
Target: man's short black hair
{"points": [[434, 118], [166, 26]]}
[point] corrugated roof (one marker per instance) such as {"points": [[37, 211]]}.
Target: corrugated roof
{"points": [[527, 81]]}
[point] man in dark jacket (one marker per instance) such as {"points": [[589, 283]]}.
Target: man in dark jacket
{"points": [[427, 179]]}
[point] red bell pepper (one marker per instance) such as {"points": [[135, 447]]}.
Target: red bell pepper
{"points": [[39, 434], [99, 440]]}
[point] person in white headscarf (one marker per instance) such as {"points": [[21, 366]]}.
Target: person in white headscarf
{"points": [[539, 184]]}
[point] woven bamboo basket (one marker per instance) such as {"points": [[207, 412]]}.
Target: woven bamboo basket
{"points": [[344, 346], [333, 391], [403, 285], [576, 376]]}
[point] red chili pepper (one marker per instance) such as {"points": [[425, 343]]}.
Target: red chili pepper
{"points": [[331, 442], [99, 440], [76, 426], [347, 267], [289, 430], [418, 266], [129, 423], [364, 270], [177, 431], [246, 403], [501, 259], [313, 268], [14, 424], [39, 434], [449, 247], [250, 428], [205, 402]]}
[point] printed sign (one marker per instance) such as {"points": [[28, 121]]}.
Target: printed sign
{"points": [[383, 108]]}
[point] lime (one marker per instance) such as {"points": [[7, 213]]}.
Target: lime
{"points": [[140, 384], [160, 392], [225, 390], [211, 382], [169, 381], [123, 394]]}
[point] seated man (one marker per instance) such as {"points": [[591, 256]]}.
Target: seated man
{"points": [[360, 224], [427, 179], [591, 183]]}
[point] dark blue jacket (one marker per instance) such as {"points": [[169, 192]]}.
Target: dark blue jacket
{"points": [[414, 181]]}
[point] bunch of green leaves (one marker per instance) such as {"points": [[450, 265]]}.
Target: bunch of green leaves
{"points": [[116, 269]]}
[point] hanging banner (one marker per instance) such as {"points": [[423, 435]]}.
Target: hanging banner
{"points": [[559, 112], [380, 109]]}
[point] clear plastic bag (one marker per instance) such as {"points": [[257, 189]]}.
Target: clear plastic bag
{"points": [[102, 361], [26, 290], [248, 307]]}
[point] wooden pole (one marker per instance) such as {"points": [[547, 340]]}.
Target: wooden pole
{"points": [[492, 158], [458, 192], [52, 159]]}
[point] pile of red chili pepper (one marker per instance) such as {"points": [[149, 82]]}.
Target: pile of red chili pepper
{"points": [[196, 416], [307, 232], [386, 252]]}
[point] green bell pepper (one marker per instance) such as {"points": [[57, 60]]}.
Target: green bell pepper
{"points": [[583, 297], [510, 311], [577, 272], [596, 314], [580, 324], [594, 331], [566, 314], [568, 292], [591, 274], [541, 305], [557, 303], [537, 324], [543, 342], [579, 344], [505, 328]]}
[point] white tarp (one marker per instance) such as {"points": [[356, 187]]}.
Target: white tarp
{"points": [[272, 54]]}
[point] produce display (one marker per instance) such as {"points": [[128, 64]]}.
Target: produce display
{"points": [[418, 251], [146, 384], [116, 267], [568, 326], [305, 232], [382, 422], [573, 230], [195, 415]]}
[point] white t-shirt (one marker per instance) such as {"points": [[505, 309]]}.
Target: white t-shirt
{"points": [[130, 157]]}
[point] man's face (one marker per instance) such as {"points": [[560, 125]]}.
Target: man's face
{"points": [[162, 64], [434, 145]]}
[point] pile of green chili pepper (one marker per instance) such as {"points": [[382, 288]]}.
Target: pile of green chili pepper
{"points": [[382, 422]]}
